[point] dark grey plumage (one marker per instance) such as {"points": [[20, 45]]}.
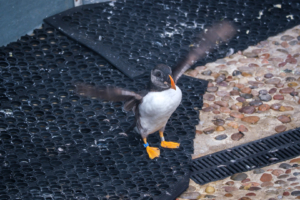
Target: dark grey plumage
{"points": [[160, 79], [110, 93]]}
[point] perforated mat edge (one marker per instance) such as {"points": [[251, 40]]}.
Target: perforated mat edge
{"points": [[94, 44]]}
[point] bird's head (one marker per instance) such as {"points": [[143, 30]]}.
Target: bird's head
{"points": [[161, 78]]}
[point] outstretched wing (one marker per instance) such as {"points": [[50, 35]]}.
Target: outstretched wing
{"points": [[214, 35], [110, 93]]}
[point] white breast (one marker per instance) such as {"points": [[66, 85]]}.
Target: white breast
{"points": [[157, 107]]}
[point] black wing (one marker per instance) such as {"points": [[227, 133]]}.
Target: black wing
{"points": [[214, 35], [110, 93]]}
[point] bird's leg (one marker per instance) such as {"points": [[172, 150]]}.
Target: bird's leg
{"points": [[170, 145], [153, 152]]}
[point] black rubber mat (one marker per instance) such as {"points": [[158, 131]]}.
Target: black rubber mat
{"points": [[57, 145], [249, 156], [135, 35]]}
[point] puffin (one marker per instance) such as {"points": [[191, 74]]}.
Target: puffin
{"points": [[154, 106]]}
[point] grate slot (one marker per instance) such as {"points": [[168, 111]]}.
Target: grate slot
{"points": [[218, 159], [243, 151], [294, 135], [257, 146], [254, 154], [212, 161], [227, 155]]}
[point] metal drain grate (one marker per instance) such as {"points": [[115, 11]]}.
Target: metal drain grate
{"points": [[58, 145], [135, 35], [256, 154]]}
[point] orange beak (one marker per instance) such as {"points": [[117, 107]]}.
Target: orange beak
{"points": [[173, 86]]}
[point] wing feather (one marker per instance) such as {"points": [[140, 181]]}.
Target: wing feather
{"points": [[109, 93], [217, 33]]}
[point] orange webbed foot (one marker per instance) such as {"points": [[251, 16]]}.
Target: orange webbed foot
{"points": [[170, 145], [153, 152]]}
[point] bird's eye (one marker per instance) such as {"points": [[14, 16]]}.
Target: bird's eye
{"points": [[158, 74]]}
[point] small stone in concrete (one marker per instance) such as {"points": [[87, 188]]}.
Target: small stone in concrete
{"points": [[266, 177], [190, 195], [293, 94], [228, 195], [296, 173], [248, 110], [290, 79], [207, 73], [280, 128], [221, 137], [246, 180], [229, 183], [276, 106], [292, 179], [209, 196], [222, 94], [268, 75], [272, 191], [278, 97], [244, 198], [212, 89], [220, 78], [273, 81], [264, 107], [251, 194], [230, 188], [240, 99], [265, 97], [208, 109], [283, 176], [220, 128], [251, 119], [242, 128], [218, 122], [239, 176], [209, 130], [293, 42], [209, 97], [191, 189], [210, 189], [267, 184], [277, 172], [295, 160], [281, 182], [284, 118], [236, 73], [287, 38], [237, 136], [295, 193], [236, 115], [246, 90], [254, 188], [286, 194], [255, 103], [272, 90], [246, 96], [258, 171], [286, 90], [263, 92], [221, 103]]}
